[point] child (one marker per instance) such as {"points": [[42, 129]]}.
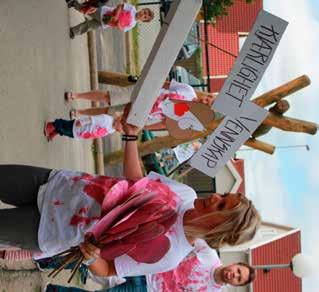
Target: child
{"points": [[84, 127], [123, 17], [156, 120]]}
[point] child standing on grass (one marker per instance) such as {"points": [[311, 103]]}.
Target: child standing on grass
{"points": [[123, 17], [85, 127]]}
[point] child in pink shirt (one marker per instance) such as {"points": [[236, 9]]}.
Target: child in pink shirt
{"points": [[85, 127], [123, 17]]}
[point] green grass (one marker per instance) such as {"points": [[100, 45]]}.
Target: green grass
{"points": [[135, 68], [135, 51]]}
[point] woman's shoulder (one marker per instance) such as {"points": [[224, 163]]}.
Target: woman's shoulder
{"points": [[185, 192]]}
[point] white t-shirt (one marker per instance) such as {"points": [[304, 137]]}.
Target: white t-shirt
{"points": [[90, 127], [126, 266], [195, 273], [69, 208], [127, 8], [184, 92]]}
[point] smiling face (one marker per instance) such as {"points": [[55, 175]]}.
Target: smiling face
{"points": [[145, 15], [214, 203], [206, 99], [235, 275]]}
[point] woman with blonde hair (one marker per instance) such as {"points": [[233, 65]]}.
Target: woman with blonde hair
{"points": [[142, 225]]}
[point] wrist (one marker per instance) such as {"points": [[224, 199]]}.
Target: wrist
{"points": [[127, 137]]}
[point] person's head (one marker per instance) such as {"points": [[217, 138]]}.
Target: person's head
{"points": [[222, 219], [238, 274], [206, 99], [145, 15]]}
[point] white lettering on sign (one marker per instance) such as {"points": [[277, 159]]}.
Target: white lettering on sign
{"points": [[254, 58], [227, 139]]}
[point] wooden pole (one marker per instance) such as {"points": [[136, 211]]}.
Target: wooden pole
{"points": [[114, 78], [98, 144], [282, 91], [159, 143], [121, 79], [290, 124]]}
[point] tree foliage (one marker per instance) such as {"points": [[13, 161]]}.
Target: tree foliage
{"points": [[214, 8]]}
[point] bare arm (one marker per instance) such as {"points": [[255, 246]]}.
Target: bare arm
{"points": [[118, 10], [131, 164], [166, 84]]}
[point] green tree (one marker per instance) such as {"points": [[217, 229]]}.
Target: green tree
{"points": [[214, 8]]}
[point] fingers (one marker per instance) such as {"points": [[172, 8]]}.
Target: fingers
{"points": [[89, 251]]}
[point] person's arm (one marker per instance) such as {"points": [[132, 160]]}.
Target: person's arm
{"points": [[131, 163], [117, 11], [166, 84], [99, 267]]}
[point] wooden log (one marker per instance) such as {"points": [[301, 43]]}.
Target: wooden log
{"points": [[168, 142], [114, 78], [98, 144], [282, 91], [290, 124]]}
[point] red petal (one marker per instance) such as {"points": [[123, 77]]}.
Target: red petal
{"points": [[145, 232], [110, 237], [120, 212], [147, 213], [116, 249], [115, 196], [150, 251]]}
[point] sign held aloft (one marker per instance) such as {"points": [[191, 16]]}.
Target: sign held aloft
{"points": [[254, 58], [242, 116]]}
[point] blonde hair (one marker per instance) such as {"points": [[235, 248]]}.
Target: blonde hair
{"points": [[241, 225]]}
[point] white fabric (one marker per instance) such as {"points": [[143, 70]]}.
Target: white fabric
{"points": [[184, 151], [62, 199], [195, 273], [182, 89], [180, 247], [86, 127], [127, 7], [59, 200]]}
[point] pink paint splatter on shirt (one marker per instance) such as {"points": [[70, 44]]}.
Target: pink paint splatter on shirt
{"points": [[58, 203], [96, 186], [125, 19], [156, 110], [190, 275], [77, 220], [98, 133], [83, 210]]}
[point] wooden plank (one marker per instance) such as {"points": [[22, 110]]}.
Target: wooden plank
{"points": [[162, 57]]}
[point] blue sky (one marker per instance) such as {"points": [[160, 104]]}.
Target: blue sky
{"points": [[285, 186]]}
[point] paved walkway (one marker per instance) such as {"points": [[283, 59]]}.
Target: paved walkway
{"points": [[38, 62]]}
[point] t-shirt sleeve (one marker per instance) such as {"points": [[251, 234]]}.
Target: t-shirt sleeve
{"points": [[205, 254], [183, 89], [127, 267]]}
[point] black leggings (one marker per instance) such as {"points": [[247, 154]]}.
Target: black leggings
{"points": [[19, 186]]}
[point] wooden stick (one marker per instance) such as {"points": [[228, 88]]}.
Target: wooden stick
{"points": [[282, 91], [168, 142], [76, 268], [98, 144], [69, 259], [114, 78]]}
